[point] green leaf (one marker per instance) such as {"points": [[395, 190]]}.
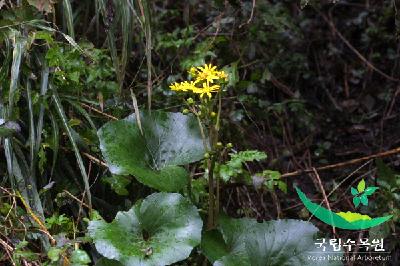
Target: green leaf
{"points": [[361, 186], [54, 254], [247, 156], [213, 245], [80, 257], [354, 191], [168, 140], [364, 199], [118, 183], [356, 201], [6, 132], [160, 230], [385, 173], [234, 166], [370, 190], [73, 140], [107, 262], [282, 186], [280, 242]]}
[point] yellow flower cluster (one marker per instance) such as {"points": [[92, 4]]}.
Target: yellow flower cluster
{"points": [[204, 78]]}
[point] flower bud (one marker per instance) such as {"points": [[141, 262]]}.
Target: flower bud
{"points": [[185, 111], [206, 155], [229, 145], [190, 101], [219, 145], [213, 114]]}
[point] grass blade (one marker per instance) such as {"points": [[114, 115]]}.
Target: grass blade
{"points": [[83, 112], [144, 6], [63, 117], [43, 91], [56, 141], [126, 28], [32, 132], [69, 18], [19, 48]]}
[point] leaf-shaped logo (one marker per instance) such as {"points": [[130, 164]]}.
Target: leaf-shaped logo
{"points": [[361, 186], [370, 190], [361, 193]]}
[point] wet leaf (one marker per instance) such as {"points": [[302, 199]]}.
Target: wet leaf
{"points": [[168, 140], [280, 242], [161, 230], [80, 257]]}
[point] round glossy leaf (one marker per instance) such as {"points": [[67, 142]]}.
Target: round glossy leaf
{"points": [[161, 230], [168, 140], [80, 257], [107, 262], [280, 242]]}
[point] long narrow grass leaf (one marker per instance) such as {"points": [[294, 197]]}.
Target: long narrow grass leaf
{"points": [[83, 112], [126, 29], [144, 6], [111, 40], [4, 69], [55, 140], [43, 91], [18, 51], [63, 117], [32, 131], [27, 186], [69, 18], [19, 48]]}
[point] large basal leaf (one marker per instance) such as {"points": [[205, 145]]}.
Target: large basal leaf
{"points": [[161, 230], [280, 242], [107, 262], [168, 140]]}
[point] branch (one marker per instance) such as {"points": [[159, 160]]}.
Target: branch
{"points": [[344, 164]]}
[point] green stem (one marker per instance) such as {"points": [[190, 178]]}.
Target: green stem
{"points": [[211, 195], [211, 189], [217, 125], [216, 210]]}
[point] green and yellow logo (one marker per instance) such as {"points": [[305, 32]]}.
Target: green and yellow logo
{"points": [[346, 220]]}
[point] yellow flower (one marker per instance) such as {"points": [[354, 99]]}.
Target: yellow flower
{"points": [[183, 86], [208, 73], [175, 86], [222, 75], [203, 75], [193, 71], [206, 90]]}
